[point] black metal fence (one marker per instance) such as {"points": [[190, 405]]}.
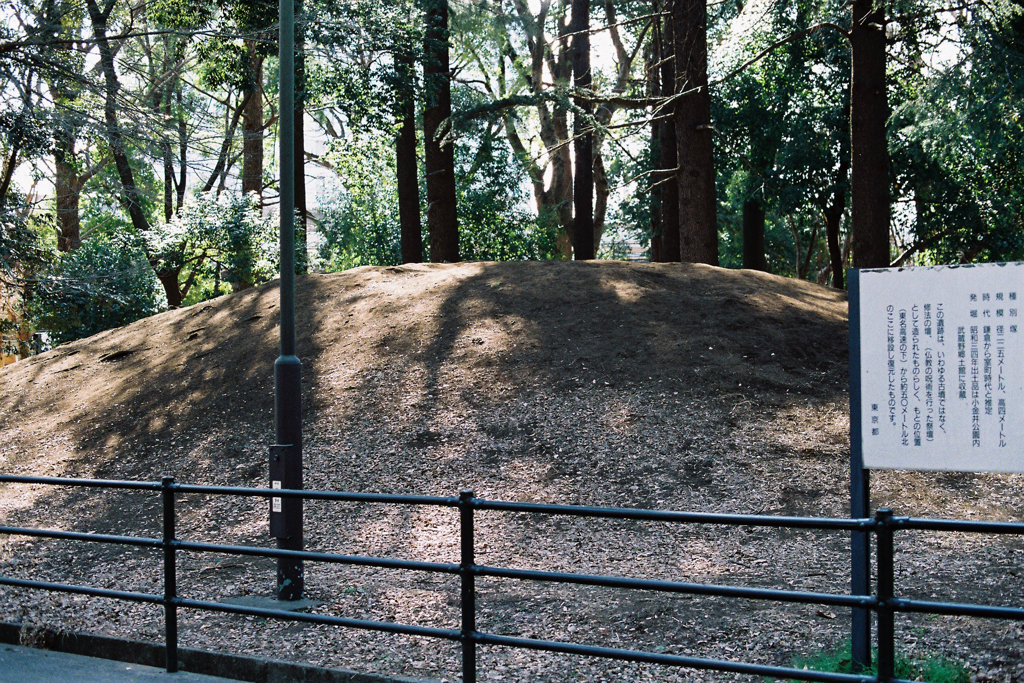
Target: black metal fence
{"points": [[885, 603]]}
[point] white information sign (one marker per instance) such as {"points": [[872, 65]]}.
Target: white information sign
{"points": [[942, 368]]}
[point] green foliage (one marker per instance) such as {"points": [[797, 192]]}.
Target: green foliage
{"points": [[931, 668], [492, 229], [216, 239], [351, 68], [781, 125], [958, 147], [248, 30], [104, 284], [27, 129], [103, 205], [222, 64], [615, 246], [359, 222], [494, 224], [180, 14], [21, 251], [22, 257], [251, 15], [782, 133], [633, 210]]}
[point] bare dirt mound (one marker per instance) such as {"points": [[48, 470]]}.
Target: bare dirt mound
{"points": [[650, 385]]}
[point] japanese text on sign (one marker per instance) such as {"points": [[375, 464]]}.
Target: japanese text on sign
{"points": [[942, 368]]}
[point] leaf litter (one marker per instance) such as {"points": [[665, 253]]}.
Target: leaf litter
{"points": [[666, 386]]}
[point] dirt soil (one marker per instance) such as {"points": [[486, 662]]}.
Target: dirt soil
{"points": [[667, 386]]}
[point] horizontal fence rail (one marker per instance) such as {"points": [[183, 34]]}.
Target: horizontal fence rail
{"points": [[884, 603]]}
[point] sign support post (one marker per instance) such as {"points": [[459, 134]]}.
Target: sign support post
{"points": [[860, 492]]}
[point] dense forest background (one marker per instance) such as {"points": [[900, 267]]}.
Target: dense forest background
{"points": [[139, 140]]}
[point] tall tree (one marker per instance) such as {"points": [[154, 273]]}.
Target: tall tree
{"points": [[252, 119], [438, 142], [583, 143], [667, 150], [115, 136], [698, 229], [869, 110], [548, 61], [529, 66], [753, 235], [955, 138], [609, 104], [253, 22], [835, 209], [652, 58], [164, 54], [131, 197], [405, 162], [72, 168], [225, 158]]}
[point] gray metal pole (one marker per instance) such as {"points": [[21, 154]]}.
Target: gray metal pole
{"points": [[287, 369]]}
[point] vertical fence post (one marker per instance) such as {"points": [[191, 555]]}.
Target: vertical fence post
{"points": [[170, 577], [886, 630], [466, 569]]}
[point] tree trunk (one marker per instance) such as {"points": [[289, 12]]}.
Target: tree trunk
{"points": [[834, 218], [602, 190], [7, 176], [668, 229], [225, 147], [804, 267], [698, 229], [560, 195], [129, 190], [252, 123], [753, 236], [68, 186], [583, 143], [65, 91], [115, 139], [439, 147], [182, 151], [168, 161], [405, 164], [172, 288], [869, 109], [66, 199], [549, 61], [654, 90]]}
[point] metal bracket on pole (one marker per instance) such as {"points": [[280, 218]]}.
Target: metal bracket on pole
{"points": [[285, 473]]}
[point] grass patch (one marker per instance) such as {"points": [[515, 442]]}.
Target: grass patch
{"points": [[932, 668]]}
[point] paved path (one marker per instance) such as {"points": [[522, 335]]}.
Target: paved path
{"points": [[29, 665]]}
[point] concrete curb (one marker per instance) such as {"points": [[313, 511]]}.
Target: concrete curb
{"points": [[236, 667]]}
